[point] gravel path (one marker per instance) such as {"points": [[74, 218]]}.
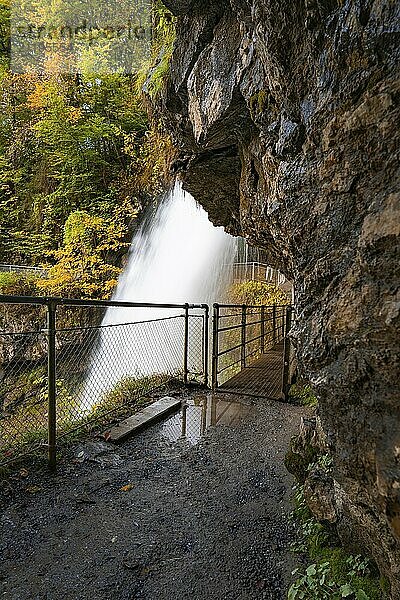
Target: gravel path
{"points": [[200, 522]]}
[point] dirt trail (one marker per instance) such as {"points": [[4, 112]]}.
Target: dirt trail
{"points": [[199, 522]]}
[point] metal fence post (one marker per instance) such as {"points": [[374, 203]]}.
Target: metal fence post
{"points": [[243, 341], [286, 353], [204, 415], [214, 374], [274, 324], [51, 383], [184, 418], [262, 329], [206, 325], [283, 319], [186, 347]]}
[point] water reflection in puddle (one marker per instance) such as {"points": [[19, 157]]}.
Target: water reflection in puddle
{"points": [[198, 414]]}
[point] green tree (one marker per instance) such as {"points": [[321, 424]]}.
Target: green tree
{"points": [[73, 142], [63, 148]]}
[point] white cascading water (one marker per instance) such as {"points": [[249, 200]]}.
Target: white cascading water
{"points": [[180, 257]]}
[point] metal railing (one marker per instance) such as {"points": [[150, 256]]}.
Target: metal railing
{"points": [[4, 268], [255, 271], [67, 363], [242, 333]]}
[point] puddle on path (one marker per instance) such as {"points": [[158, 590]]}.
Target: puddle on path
{"points": [[199, 413]]}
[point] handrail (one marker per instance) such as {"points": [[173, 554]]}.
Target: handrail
{"points": [[57, 301], [256, 271], [251, 306], [23, 269]]}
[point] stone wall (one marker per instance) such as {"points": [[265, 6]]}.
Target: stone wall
{"points": [[286, 117]]}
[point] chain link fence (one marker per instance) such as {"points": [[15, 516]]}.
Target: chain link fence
{"points": [[87, 361], [23, 379]]}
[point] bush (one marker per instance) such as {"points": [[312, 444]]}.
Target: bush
{"points": [[84, 264], [128, 391], [18, 284], [257, 293]]}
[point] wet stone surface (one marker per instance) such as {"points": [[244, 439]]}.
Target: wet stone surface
{"points": [[200, 516]]}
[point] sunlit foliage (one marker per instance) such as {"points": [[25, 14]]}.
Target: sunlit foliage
{"points": [[78, 145], [257, 293]]}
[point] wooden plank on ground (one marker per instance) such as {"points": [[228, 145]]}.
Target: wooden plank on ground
{"points": [[152, 413]]}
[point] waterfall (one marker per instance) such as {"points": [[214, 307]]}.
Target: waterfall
{"points": [[178, 257]]}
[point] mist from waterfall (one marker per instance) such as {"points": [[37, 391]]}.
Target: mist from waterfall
{"points": [[177, 257]]}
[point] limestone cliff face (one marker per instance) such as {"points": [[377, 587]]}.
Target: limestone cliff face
{"points": [[286, 115]]}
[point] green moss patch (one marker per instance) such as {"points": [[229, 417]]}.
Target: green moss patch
{"points": [[298, 464], [302, 394]]}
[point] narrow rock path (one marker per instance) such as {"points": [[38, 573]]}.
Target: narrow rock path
{"points": [[157, 520]]}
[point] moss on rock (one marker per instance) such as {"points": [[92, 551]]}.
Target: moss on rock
{"points": [[297, 464]]}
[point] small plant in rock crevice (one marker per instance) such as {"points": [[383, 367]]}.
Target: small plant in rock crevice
{"points": [[302, 394], [324, 462], [333, 574], [311, 533], [317, 581]]}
